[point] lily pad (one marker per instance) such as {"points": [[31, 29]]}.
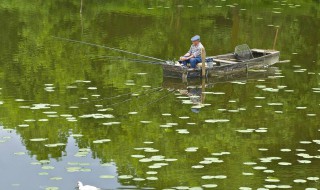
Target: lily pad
{"points": [[76, 135], [47, 167], [107, 176], [54, 145], [268, 171], [151, 150], [145, 160], [259, 168], [300, 181], [152, 178], [38, 139], [249, 163], [197, 166], [101, 141], [137, 156], [145, 122], [125, 176], [151, 172], [285, 163], [247, 173], [19, 153], [52, 188], [56, 178], [138, 179], [217, 120], [191, 149], [73, 169], [272, 180], [43, 173], [210, 185], [207, 177], [220, 177], [313, 178], [304, 161]]}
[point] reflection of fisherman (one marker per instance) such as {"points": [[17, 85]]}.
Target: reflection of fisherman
{"points": [[193, 56], [194, 95]]}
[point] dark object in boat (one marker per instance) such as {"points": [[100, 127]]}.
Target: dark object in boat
{"points": [[241, 60]]}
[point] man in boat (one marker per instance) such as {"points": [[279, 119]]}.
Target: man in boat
{"points": [[193, 56]]}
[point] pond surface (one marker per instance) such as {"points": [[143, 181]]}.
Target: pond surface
{"points": [[72, 112]]}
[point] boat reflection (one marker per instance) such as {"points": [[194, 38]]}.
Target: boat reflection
{"points": [[195, 89]]}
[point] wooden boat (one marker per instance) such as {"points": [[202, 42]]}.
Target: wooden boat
{"points": [[242, 60]]}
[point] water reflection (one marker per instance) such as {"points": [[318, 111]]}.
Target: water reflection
{"points": [[195, 89], [61, 104]]}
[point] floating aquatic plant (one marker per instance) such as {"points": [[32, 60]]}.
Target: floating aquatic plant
{"points": [[101, 141]]}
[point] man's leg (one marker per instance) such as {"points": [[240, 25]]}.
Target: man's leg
{"points": [[184, 62], [187, 62], [194, 61]]}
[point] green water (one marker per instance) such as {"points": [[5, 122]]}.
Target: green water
{"points": [[256, 130]]}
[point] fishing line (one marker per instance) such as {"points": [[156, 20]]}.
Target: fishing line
{"points": [[121, 95], [117, 103], [106, 47], [157, 100], [122, 116], [128, 59], [118, 96], [157, 89]]}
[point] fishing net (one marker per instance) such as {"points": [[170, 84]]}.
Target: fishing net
{"points": [[243, 52]]}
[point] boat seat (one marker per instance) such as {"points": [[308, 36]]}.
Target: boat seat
{"points": [[200, 65], [224, 61]]}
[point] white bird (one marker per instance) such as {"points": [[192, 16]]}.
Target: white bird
{"points": [[86, 187]]}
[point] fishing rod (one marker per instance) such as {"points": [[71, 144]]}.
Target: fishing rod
{"points": [[106, 47]]}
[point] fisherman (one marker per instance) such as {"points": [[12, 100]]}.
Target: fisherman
{"points": [[193, 57]]}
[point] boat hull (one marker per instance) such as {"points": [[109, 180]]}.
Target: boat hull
{"points": [[223, 67]]}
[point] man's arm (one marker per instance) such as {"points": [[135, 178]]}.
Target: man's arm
{"points": [[187, 56]]}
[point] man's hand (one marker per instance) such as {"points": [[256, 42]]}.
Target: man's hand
{"points": [[183, 58]]}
